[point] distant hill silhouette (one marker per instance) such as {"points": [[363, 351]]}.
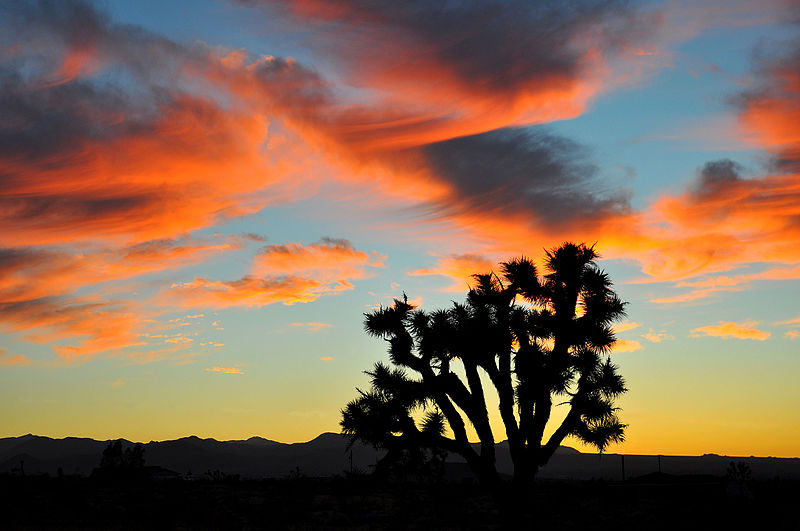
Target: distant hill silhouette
{"points": [[326, 455]]}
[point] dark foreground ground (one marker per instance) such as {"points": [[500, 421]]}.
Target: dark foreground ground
{"points": [[652, 502]]}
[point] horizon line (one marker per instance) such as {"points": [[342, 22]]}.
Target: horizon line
{"points": [[600, 454]]}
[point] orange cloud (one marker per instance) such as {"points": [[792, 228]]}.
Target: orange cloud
{"points": [[657, 337], [745, 330], [288, 274], [8, 359], [34, 273], [91, 326], [460, 268], [327, 258], [326, 358], [624, 327], [626, 345], [252, 291], [771, 115], [793, 334], [225, 370], [179, 339], [147, 183], [796, 320], [35, 284], [728, 220], [740, 222]]}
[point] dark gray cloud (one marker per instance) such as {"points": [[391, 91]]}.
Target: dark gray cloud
{"points": [[36, 123], [139, 80], [498, 46], [13, 261], [47, 31], [528, 170], [47, 108], [73, 22], [716, 174]]}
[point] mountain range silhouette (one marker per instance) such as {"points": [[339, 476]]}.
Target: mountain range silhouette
{"points": [[328, 455]]}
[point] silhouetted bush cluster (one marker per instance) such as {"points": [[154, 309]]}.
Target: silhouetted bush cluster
{"points": [[117, 462]]}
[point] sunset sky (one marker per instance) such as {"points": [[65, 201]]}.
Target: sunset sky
{"points": [[200, 199]]}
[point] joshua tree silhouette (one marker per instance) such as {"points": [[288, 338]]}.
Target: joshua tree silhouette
{"points": [[540, 342]]}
